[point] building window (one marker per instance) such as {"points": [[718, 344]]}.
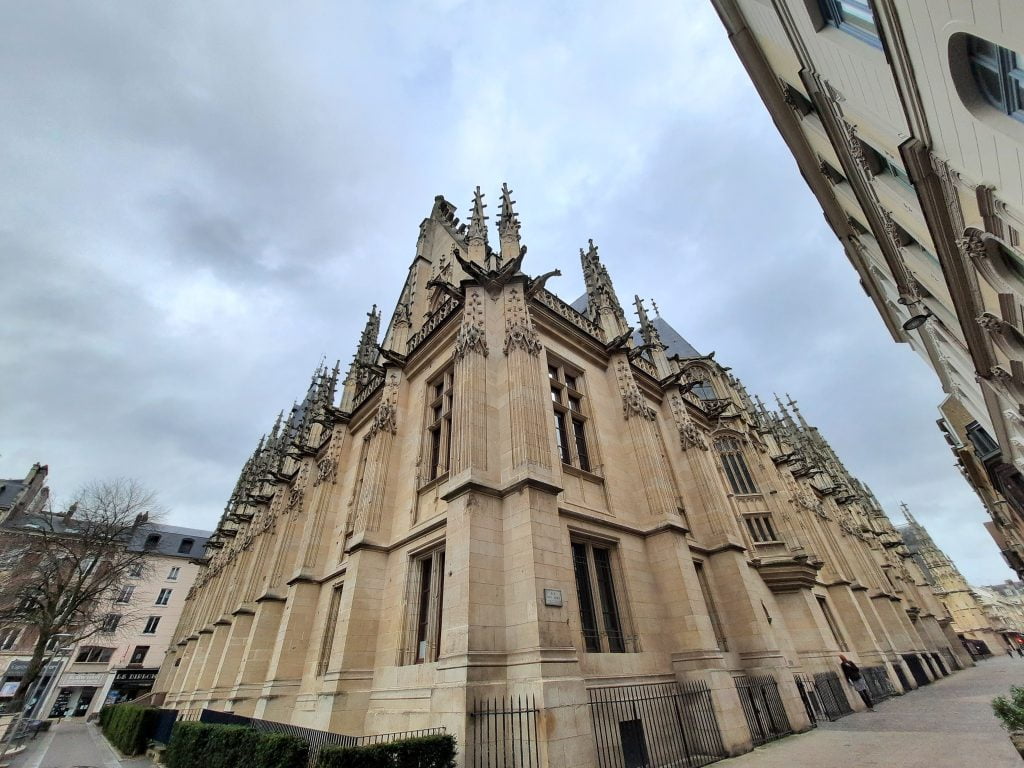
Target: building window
{"points": [[152, 541], [853, 16], [173, 573], [600, 614], [425, 605], [761, 528], [151, 624], [94, 654], [439, 424], [164, 597], [832, 625], [570, 416], [8, 638], [999, 74], [136, 570], [110, 622], [983, 443], [126, 593], [327, 642], [703, 390], [731, 453], [139, 654], [709, 602], [186, 546]]}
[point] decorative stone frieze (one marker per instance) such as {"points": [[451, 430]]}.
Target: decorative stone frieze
{"points": [[519, 329], [472, 338], [633, 401]]}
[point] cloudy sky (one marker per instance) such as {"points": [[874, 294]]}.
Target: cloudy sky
{"points": [[200, 199]]}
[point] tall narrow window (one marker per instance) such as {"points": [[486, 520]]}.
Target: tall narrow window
{"points": [[853, 16], [172, 575], [110, 622], [151, 624], [8, 638], [570, 415], [330, 627], [164, 597], [600, 615], [761, 528], [999, 74], [709, 602], [425, 606], [439, 424], [126, 593], [735, 466], [832, 625]]}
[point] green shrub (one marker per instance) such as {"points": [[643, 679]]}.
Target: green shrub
{"points": [[1010, 711], [418, 752], [127, 727], [204, 745]]}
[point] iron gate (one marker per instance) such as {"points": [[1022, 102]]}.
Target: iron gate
{"points": [[878, 682], [654, 725], [762, 706], [503, 733], [823, 696]]}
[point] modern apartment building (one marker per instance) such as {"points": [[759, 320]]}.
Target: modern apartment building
{"points": [[906, 118], [521, 513]]}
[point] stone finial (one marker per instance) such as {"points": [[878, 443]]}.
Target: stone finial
{"points": [[508, 226], [602, 303]]}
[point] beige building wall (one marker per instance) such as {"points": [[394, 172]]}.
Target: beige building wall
{"points": [[920, 177], [121, 665], [515, 496]]}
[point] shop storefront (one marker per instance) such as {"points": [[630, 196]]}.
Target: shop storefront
{"points": [[12, 677], [75, 693], [130, 684]]}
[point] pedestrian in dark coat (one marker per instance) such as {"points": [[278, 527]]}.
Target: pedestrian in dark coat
{"points": [[853, 676]]}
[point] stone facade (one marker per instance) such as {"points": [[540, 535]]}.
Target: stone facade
{"points": [[892, 110], [515, 496]]}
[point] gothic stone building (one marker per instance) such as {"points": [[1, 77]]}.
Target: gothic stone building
{"points": [[906, 120], [513, 497]]}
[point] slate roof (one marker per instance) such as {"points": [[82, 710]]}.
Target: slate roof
{"points": [[171, 537], [9, 489], [670, 337]]}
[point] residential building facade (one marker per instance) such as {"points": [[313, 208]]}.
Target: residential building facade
{"points": [[905, 119], [121, 661], [515, 496]]}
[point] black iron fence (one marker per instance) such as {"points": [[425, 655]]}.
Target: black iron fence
{"points": [[655, 724], [317, 739], [878, 682], [762, 707], [823, 696], [503, 733]]}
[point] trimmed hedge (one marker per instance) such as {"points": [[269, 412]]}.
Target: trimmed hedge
{"points": [[418, 752], [204, 745], [127, 726]]}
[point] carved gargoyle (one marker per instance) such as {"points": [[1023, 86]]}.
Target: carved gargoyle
{"points": [[537, 284]]}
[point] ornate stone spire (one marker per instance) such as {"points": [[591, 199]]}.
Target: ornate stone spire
{"points": [[476, 236], [361, 370], [508, 227], [602, 304], [648, 332]]}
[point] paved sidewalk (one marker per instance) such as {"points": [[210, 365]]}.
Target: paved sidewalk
{"points": [[74, 744], [948, 724]]}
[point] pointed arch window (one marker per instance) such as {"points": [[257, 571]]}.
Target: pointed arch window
{"points": [[735, 465]]}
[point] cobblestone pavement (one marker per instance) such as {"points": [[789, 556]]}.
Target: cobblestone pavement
{"points": [[73, 744], [946, 724]]}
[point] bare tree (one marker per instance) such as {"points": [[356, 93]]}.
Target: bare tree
{"points": [[60, 572]]}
